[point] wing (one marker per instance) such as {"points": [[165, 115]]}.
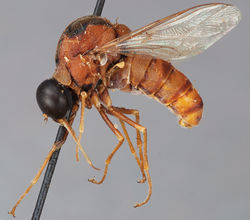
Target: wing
{"points": [[178, 36]]}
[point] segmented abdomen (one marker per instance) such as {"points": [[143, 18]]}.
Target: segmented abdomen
{"points": [[160, 80]]}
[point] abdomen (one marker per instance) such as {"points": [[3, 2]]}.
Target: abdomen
{"points": [[160, 80]]}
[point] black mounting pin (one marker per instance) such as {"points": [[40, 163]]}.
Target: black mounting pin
{"points": [[98, 7], [53, 160]]}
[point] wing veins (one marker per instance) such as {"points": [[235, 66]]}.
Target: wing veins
{"points": [[178, 36]]}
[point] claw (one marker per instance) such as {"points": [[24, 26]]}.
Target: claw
{"points": [[12, 212], [136, 205], [143, 180], [93, 181]]}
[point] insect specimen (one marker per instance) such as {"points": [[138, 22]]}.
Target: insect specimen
{"points": [[93, 56]]}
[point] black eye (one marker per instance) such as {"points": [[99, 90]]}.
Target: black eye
{"points": [[53, 99]]}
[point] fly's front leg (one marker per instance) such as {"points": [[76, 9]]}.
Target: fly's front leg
{"points": [[36, 178], [117, 133], [55, 147], [142, 129], [138, 138], [72, 133], [83, 97]]}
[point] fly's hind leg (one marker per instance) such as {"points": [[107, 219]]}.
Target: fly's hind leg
{"points": [[138, 138], [142, 129], [120, 138]]}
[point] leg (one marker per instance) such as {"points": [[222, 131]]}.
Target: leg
{"points": [[120, 139], [139, 142], [137, 119], [56, 146], [72, 133], [142, 129], [34, 181], [83, 96]]}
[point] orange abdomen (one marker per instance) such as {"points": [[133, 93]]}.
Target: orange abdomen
{"points": [[160, 80]]}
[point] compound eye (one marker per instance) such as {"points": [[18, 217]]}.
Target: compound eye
{"points": [[53, 99]]}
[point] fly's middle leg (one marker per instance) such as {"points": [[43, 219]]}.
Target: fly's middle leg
{"points": [[120, 138]]}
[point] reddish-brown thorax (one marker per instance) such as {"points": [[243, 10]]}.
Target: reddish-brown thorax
{"points": [[73, 53]]}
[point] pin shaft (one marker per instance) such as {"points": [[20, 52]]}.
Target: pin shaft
{"points": [[61, 133]]}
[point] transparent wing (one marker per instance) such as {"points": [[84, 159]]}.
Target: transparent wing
{"points": [[178, 36]]}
